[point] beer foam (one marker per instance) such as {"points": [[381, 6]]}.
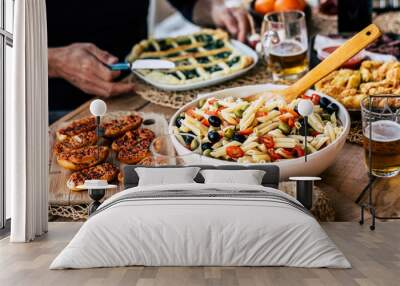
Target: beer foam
{"points": [[384, 131], [288, 48]]}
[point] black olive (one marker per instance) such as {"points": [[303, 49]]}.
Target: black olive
{"points": [[178, 121], [239, 137], [324, 102], [213, 136], [205, 146], [187, 139], [276, 108], [332, 107], [302, 130], [214, 121]]}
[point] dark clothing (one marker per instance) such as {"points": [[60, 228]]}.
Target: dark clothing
{"points": [[114, 26]]}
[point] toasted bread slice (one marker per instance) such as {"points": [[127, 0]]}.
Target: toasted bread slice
{"points": [[82, 158], [78, 126], [117, 127], [105, 171]]}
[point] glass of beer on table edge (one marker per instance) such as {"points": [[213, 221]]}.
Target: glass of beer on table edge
{"points": [[285, 44], [381, 134]]}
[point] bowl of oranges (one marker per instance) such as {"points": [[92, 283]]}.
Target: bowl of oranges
{"points": [[258, 8]]}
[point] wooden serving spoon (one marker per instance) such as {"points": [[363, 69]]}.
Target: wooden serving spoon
{"points": [[345, 52]]}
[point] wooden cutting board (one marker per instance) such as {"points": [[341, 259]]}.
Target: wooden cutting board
{"points": [[59, 194]]}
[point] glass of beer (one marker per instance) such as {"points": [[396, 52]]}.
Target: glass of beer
{"points": [[285, 44], [381, 132]]}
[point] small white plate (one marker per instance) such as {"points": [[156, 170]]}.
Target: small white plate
{"points": [[85, 187], [242, 48]]}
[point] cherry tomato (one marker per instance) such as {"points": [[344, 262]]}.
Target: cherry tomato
{"points": [[212, 101], [234, 152], [273, 155], [246, 132], [211, 113], [314, 133], [205, 122], [261, 114], [288, 152], [315, 98], [304, 96], [298, 151], [290, 122], [267, 140], [193, 114], [284, 111]]}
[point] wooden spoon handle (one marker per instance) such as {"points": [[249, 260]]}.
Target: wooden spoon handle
{"points": [[345, 52]]}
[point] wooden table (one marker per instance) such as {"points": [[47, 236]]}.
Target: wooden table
{"points": [[343, 181]]}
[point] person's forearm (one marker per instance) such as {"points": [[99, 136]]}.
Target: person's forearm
{"points": [[202, 12], [53, 62]]}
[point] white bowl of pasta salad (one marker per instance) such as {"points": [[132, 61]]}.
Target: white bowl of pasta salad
{"points": [[240, 126]]}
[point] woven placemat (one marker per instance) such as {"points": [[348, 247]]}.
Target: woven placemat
{"points": [[177, 99], [355, 135], [322, 207]]}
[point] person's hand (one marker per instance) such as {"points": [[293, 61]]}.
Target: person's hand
{"points": [[84, 66], [215, 12], [234, 19]]}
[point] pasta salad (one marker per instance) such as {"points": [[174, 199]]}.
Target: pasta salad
{"points": [[257, 129]]}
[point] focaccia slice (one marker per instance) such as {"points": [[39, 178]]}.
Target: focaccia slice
{"points": [[75, 142], [78, 126], [105, 171], [136, 153], [82, 158], [131, 138], [117, 127]]}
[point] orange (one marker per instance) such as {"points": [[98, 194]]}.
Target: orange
{"points": [[264, 6], [287, 5]]}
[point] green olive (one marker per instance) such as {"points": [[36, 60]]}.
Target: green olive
{"points": [[238, 113], [201, 103], [207, 152], [229, 133], [284, 127], [326, 116], [194, 144]]}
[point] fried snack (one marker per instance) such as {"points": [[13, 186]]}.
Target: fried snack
{"points": [[82, 158], [136, 153], [105, 171], [82, 125], [75, 142], [351, 86], [117, 127], [131, 138]]}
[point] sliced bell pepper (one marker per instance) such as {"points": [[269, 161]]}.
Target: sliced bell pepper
{"points": [[273, 155], [234, 152], [267, 140], [298, 151], [246, 132]]}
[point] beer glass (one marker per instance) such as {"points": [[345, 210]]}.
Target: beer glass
{"points": [[381, 132], [285, 44]]}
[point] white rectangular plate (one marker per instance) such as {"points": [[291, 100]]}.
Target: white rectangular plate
{"points": [[242, 48]]}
